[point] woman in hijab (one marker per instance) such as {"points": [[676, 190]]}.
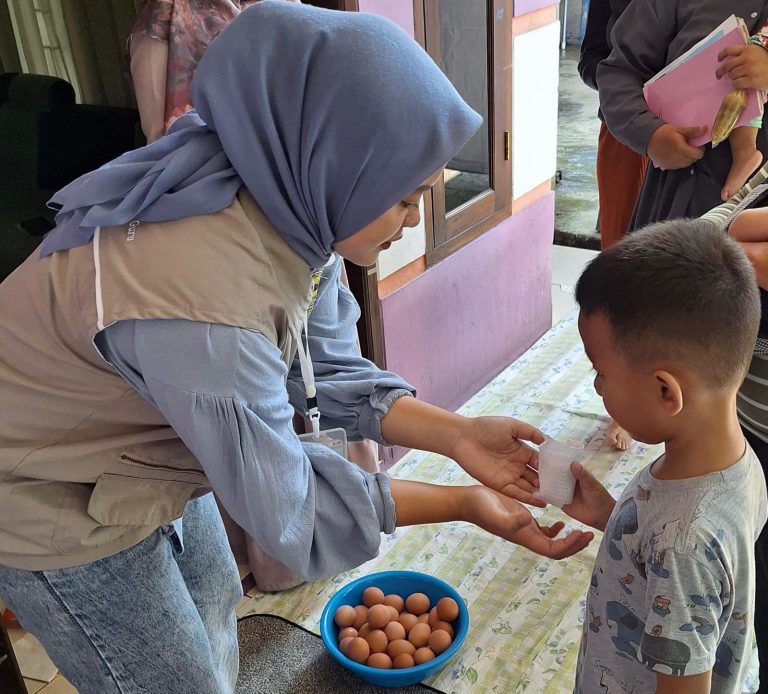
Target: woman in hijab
{"points": [[167, 41], [186, 303]]}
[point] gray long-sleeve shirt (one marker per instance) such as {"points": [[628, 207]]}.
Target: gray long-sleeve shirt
{"points": [[649, 35], [230, 398]]}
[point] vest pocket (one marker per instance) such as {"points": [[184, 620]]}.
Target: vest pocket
{"points": [[121, 500]]}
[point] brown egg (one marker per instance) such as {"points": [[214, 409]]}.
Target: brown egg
{"points": [[444, 626], [394, 631], [345, 616], [347, 631], [361, 616], [395, 648], [373, 596], [394, 601], [419, 635], [377, 640], [344, 644], [447, 609], [422, 655], [417, 603], [439, 641], [364, 630], [424, 618], [379, 660], [358, 650], [379, 616], [394, 615], [433, 618], [403, 661], [408, 621]]}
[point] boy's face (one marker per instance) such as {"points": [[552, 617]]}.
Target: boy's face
{"points": [[630, 392]]}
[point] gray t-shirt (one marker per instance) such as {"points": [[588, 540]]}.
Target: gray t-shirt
{"points": [[673, 588]]}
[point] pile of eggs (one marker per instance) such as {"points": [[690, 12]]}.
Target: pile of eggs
{"points": [[389, 632]]}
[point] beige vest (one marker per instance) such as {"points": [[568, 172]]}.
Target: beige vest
{"points": [[87, 466]]}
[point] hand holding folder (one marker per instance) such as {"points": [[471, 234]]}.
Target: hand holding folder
{"points": [[688, 93]]}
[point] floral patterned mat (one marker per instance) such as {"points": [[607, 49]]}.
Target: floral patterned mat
{"points": [[526, 612]]}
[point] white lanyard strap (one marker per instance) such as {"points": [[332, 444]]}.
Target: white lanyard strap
{"points": [[308, 376]]}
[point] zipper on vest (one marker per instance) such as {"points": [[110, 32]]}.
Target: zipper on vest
{"points": [[124, 457]]}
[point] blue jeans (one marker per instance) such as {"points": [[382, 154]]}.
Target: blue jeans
{"points": [[156, 618]]}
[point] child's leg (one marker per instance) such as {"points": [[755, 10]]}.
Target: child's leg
{"points": [[746, 159]]}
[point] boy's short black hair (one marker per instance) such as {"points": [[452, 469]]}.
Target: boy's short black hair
{"points": [[679, 290]]}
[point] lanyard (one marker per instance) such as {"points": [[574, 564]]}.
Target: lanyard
{"points": [[308, 376], [305, 358]]}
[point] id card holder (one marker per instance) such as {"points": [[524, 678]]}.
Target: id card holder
{"points": [[335, 439]]}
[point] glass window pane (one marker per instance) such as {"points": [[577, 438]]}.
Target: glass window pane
{"points": [[464, 59]]}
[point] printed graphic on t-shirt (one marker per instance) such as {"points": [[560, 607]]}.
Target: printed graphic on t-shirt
{"points": [[671, 592]]}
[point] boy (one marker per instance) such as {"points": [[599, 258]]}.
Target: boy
{"points": [[669, 317]]}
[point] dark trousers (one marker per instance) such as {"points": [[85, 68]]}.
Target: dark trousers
{"points": [[761, 565]]}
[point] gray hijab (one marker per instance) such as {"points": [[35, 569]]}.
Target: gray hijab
{"points": [[328, 118]]}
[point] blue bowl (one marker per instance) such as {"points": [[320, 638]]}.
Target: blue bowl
{"points": [[401, 583]]}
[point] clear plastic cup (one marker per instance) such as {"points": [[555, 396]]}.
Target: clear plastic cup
{"points": [[556, 481]]}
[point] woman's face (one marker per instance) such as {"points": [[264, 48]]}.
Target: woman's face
{"points": [[363, 248]]}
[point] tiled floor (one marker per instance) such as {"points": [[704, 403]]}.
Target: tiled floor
{"points": [[58, 685], [577, 129]]}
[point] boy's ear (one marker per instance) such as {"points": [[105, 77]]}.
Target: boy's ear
{"points": [[669, 392]]}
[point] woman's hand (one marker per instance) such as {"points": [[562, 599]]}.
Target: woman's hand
{"points": [[417, 503], [746, 65], [592, 503], [668, 147], [510, 520], [492, 450]]}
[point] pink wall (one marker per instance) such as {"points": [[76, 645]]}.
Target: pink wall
{"points": [[525, 6], [455, 327], [398, 11]]}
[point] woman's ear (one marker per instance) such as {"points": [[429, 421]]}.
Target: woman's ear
{"points": [[669, 392]]}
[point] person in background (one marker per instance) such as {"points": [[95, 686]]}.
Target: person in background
{"points": [[743, 217], [684, 181], [167, 40], [620, 170]]}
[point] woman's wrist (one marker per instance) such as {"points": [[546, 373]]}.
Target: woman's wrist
{"points": [[417, 503], [412, 423]]}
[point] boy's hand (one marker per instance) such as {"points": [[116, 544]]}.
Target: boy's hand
{"points": [[510, 520], [492, 450], [592, 503], [746, 65], [668, 147]]}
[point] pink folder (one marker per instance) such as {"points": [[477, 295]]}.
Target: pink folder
{"points": [[691, 94]]}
